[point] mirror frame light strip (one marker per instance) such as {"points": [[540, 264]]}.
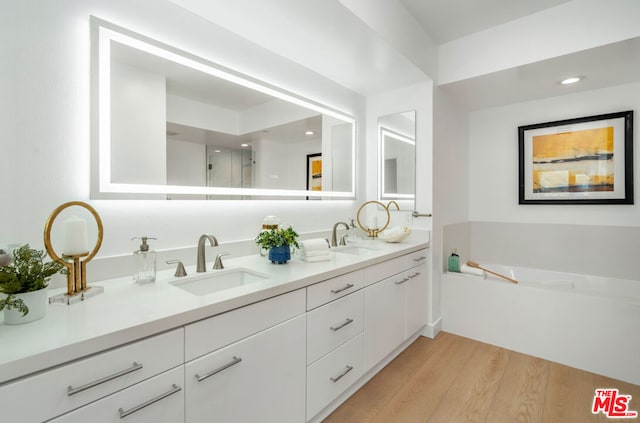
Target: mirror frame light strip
{"points": [[107, 32]]}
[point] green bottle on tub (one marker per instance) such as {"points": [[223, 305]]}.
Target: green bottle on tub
{"points": [[454, 261]]}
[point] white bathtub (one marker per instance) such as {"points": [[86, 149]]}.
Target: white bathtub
{"points": [[619, 289], [583, 321]]}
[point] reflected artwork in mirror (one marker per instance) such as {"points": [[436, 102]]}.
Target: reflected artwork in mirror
{"points": [[397, 157], [167, 124]]}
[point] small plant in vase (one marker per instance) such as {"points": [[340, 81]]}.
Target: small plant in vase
{"points": [[25, 277], [278, 242]]}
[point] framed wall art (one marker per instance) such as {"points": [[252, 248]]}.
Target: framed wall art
{"points": [[314, 172], [588, 160]]}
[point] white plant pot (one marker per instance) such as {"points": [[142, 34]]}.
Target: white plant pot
{"points": [[37, 302]]}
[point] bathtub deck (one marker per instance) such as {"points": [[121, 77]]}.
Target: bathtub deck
{"points": [[456, 379]]}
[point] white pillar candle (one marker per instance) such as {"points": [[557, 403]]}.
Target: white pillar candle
{"points": [[372, 222], [75, 236]]}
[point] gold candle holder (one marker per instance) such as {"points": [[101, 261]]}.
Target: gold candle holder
{"points": [[76, 264], [373, 232]]}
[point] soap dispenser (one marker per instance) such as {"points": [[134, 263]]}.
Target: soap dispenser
{"points": [[454, 261], [145, 262]]}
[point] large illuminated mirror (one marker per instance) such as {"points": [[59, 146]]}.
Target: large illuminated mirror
{"points": [[397, 158], [170, 125]]}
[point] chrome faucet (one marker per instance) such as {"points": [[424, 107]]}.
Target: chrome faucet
{"points": [[202, 262], [334, 238]]}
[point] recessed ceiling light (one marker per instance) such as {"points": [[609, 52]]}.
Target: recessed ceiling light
{"points": [[309, 132], [571, 80], [217, 151], [244, 145]]}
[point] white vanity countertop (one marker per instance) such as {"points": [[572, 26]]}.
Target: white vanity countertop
{"points": [[127, 311]]}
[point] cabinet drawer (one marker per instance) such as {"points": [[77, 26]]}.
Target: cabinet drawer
{"points": [[416, 258], [259, 379], [73, 385], [380, 271], [330, 376], [329, 290], [159, 400], [332, 324], [218, 331]]}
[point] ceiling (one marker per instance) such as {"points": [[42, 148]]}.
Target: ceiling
{"points": [[447, 20], [347, 41]]}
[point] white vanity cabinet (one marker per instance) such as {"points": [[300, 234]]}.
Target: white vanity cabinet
{"points": [[395, 306], [260, 374], [81, 382], [334, 338]]}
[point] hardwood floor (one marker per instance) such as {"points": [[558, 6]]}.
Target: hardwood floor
{"points": [[454, 379]]}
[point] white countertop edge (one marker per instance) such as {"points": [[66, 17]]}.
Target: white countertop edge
{"points": [[24, 360]]}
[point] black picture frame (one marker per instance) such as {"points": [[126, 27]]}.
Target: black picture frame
{"points": [[313, 179], [586, 160]]}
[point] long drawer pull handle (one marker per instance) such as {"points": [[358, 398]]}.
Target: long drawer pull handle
{"points": [[420, 258], [414, 275], [341, 375], [72, 391], [341, 325], [124, 413], [402, 281], [233, 362], [347, 286]]}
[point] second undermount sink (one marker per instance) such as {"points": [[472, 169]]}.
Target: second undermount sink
{"points": [[355, 250], [219, 280]]}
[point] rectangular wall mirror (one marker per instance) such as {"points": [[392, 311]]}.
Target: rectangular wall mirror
{"points": [[397, 156], [167, 124]]}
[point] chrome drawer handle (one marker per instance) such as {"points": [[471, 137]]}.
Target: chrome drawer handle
{"points": [[414, 275], [124, 413], [233, 362], [341, 325], [402, 281], [72, 391], [420, 258], [347, 286], [341, 375]]}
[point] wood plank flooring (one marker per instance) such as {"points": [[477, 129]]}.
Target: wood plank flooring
{"points": [[454, 379]]}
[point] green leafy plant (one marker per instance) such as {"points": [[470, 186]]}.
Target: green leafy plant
{"points": [[277, 238], [27, 272]]}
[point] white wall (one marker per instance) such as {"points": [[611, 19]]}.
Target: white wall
{"points": [[46, 126], [493, 150]]}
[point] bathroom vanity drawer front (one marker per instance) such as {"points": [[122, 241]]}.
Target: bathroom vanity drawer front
{"points": [[218, 331], [380, 271], [158, 400], [65, 388], [416, 258], [329, 290], [330, 376], [331, 325]]}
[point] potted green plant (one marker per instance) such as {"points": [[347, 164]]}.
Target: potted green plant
{"points": [[279, 242], [23, 281]]}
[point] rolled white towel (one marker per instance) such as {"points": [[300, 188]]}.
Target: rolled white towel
{"points": [[472, 271], [314, 259], [316, 244]]}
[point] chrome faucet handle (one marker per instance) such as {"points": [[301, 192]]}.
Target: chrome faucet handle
{"points": [[217, 265], [180, 270]]}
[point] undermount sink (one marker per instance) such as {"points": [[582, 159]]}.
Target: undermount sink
{"points": [[219, 280], [355, 250]]}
